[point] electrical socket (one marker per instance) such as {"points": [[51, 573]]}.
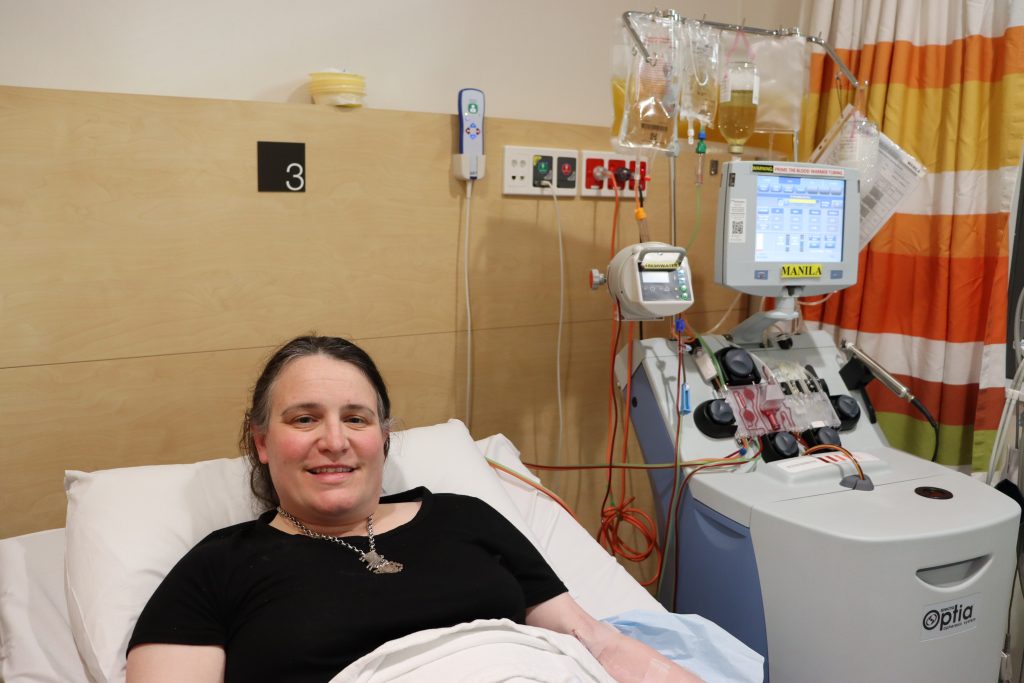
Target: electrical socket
{"points": [[525, 169], [592, 187]]}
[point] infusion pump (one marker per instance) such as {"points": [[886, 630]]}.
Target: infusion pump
{"points": [[650, 280]]}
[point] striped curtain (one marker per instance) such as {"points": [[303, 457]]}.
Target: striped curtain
{"points": [[946, 83]]}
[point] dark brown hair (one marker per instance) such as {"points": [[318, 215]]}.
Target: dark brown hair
{"points": [[258, 414]]}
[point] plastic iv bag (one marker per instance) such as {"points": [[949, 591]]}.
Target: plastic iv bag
{"points": [[858, 148], [700, 76], [852, 141], [651, 92], [738, 95], [783, 68], [738, 103]]}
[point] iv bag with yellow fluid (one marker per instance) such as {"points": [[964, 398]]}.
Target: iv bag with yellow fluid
{"points": [[737, 104], [650, 106]]}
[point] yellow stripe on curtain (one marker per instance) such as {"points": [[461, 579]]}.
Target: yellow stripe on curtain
{"points": [[908, 433], [956, 128]]}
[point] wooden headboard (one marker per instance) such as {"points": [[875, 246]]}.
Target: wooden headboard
{"points": [[143, 280]]}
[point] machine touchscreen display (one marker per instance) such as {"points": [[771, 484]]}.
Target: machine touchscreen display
{"points": [[799, 219]]}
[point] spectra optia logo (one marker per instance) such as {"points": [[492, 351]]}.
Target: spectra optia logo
{"points": [[953, 616]]}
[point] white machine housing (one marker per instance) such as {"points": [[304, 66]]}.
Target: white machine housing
{"points": [[839, 583], [650, 280], [888, 584]]}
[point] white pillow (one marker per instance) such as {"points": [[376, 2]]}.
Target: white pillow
{"points": [[127, 527]]}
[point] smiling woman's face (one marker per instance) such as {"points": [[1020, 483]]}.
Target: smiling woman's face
{"points": [[324, 442]]}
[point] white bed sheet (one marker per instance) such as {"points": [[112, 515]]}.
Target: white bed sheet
{"points": [[36, 643], [482, 651]]}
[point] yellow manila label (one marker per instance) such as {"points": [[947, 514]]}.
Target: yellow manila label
{"points": [[801, 270]]}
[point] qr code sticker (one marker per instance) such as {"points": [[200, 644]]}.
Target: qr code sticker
{"points": [[738, 220]]}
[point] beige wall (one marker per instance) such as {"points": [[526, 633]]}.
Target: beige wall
{"points": [[536, 60], [143, 279]]}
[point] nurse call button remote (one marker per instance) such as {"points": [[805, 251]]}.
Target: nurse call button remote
{"points": [[471, 121]]}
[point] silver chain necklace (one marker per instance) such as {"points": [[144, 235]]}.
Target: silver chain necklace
{"points": [[374, 561]]}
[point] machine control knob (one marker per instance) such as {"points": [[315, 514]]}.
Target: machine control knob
{"points": [[847, 410], [720, 412], [822, 436], [715, 419], [779, 446], [829, 435], [597, 278], [738, 366]]}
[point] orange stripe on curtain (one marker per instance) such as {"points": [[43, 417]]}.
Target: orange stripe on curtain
{"points": [[922, 296], [958, 403], [968, 236], [974, 58]]}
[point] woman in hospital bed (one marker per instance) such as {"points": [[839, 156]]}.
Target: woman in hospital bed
{"points": [[332, 570]]}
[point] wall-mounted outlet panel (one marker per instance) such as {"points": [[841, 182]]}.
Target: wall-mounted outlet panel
{"points": [[538, 171], [592, 186]]}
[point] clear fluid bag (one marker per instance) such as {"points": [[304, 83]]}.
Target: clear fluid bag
{"points": [[700, 75]]}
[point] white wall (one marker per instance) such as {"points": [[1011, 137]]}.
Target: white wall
{"points": [[546, 60]]}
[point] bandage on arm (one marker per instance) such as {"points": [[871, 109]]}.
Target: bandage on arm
{"points": [[626, 660]]}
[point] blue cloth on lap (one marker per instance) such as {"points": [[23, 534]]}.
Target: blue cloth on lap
{"points": [[694, 642]]}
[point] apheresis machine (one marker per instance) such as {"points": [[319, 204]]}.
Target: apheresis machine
{"points": [[835, 556]]}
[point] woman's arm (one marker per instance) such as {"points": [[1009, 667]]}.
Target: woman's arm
{"points": [[625, 659], [165, 663]]}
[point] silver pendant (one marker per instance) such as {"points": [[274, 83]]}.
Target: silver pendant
{"points": [[378, 565]]}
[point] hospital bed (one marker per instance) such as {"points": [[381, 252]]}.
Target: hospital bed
{"points": [[69, 597]]}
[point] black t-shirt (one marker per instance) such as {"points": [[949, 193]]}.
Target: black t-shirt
{"points": [[289, 607]]}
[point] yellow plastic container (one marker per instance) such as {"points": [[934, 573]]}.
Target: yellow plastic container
{"points": [[337, 88]]}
